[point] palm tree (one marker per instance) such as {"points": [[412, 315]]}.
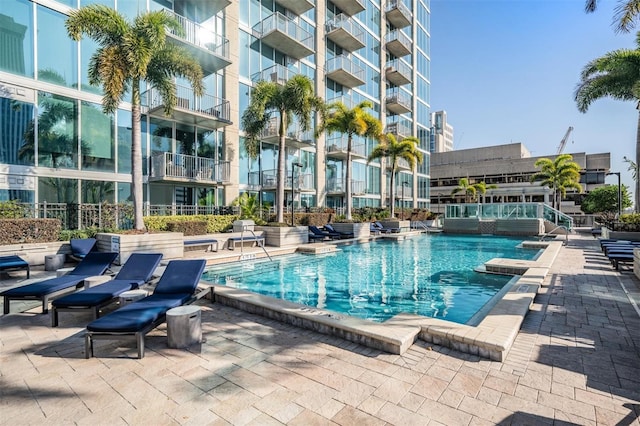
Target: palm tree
{"points": [[131, 53], [296, 98], [624, 15], [390, 148], [354, 121], [471, 190], [559, 174], [615, 75]]}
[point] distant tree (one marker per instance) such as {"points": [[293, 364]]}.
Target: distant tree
{"points": [[615, 75], [605, 199], [351, 122], [129, 54], [559, 175], [624, 16], [472, 191], [393, 150]]}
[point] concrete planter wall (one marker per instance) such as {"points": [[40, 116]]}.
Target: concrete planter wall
{"points": [[284, 236], [34, 253], [404, 225], [170, 244], [360, 229], [620, 235]]}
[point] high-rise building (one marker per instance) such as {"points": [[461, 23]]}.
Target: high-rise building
{"points": [[441, 133], [58, 145]]}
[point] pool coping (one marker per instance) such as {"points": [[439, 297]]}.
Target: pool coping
{"points": [[490, 338]]}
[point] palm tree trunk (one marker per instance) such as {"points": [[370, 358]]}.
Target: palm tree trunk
{"points": [[392, 198], [280, 178], [136, 156], [347, 177], [637, 183]]}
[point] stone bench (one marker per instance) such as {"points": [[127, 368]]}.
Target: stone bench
{"points": [[233, 241], [210, 244]]}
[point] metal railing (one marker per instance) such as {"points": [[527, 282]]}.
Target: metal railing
{"points": [[181, 166], [279, 22], [212, 106], [508, 211], [200, 36]]}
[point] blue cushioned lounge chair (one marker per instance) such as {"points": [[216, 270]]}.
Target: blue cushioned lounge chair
{"points": [[176, 287], [80, 247], [136, 271], [385, 230], [329, 228], [317, 231], [13, 262], [95, 263]]}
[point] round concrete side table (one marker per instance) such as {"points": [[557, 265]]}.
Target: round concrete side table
{"points": [[53, 262], [184, 326], [131, 296]]}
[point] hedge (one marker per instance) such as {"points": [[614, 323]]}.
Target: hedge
{"points": [[215, 223], [16, 231]]}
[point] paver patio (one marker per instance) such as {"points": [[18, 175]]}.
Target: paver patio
{"points": [[575, 361]]}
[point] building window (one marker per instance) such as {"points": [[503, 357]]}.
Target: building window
{"points": [[16, 122], [57, 131], [97, 140], [16, 33], [57, 53]]}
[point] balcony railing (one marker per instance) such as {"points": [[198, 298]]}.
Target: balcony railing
{"points": [[346, 33], [398, 13], [167, 166], [406, 194], [337, 148], [302, 181], [294, 137], [337, 185], [509, 211], [398, 43], [399, 130], [398, 72], [207, 111], [275, 74], [350, 7], [344, 71], [211, 49], [285, 35], [398, 101]]}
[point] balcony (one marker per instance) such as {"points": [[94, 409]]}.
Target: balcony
{"points": [[284, 35], [344, 99], [337, 148], [169, 167], [399, 130], [349, 7], [402, 165], [404, 192], [343, 70], [211, 50], [398, 14], [303, 182], [206, 9], [397, 43], [297, 6], [295, 137], [205, 111], [346, 33], [275, 74], [398, 102], [398, 72], [335, 186]]}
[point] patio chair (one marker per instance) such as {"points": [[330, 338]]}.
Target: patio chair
{"points": [[317, 231], [137, 270], [95, 263], [373, 229], [384, 229], [176, 287], [80, 247], [329, 228], [13, 262]]}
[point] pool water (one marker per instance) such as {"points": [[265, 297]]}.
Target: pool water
{"points": [[429, 275]]}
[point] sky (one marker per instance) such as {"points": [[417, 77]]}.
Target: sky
{"points": [[505, 71]]}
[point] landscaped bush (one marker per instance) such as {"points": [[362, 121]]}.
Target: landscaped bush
{"points": [[188, 227], [68, 234], [310, 219], [11, 209], [15, 231], [215, 223]]}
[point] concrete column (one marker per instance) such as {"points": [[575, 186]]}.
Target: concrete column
{"points": [[232, 94]]}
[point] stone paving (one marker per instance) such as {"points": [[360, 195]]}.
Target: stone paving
{"points": [[575, 361]]}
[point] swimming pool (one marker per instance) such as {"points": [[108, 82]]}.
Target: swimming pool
{"points": [[429, 275]]}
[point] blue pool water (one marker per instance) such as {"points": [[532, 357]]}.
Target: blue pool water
{"points": [[429, 275]]}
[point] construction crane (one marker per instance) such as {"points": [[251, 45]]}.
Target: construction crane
{"points": [[563, 142]]}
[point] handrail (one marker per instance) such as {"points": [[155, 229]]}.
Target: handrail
{"points": [[546, 234], [244, 228]]}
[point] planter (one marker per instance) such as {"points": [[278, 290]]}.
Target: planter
{"points": [[284, 236], [359, 229], [34, 253], [170, 244], [404, 225]]}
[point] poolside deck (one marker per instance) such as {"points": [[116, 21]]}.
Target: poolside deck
{"points": [[575, 360]]}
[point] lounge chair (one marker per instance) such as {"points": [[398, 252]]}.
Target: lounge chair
{"points": [[137, 270], [373, 230], [176, 287], [317, 231], [329, 228], [384, 229], [13, 262], [95, 263], [80, 247]]}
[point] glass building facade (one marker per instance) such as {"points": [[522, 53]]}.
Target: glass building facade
{"points": [[57, 145]]}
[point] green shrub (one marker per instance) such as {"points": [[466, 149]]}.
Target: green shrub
{"points": [[189, 227], [15, 231], [13, 210], [215, 223]]}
